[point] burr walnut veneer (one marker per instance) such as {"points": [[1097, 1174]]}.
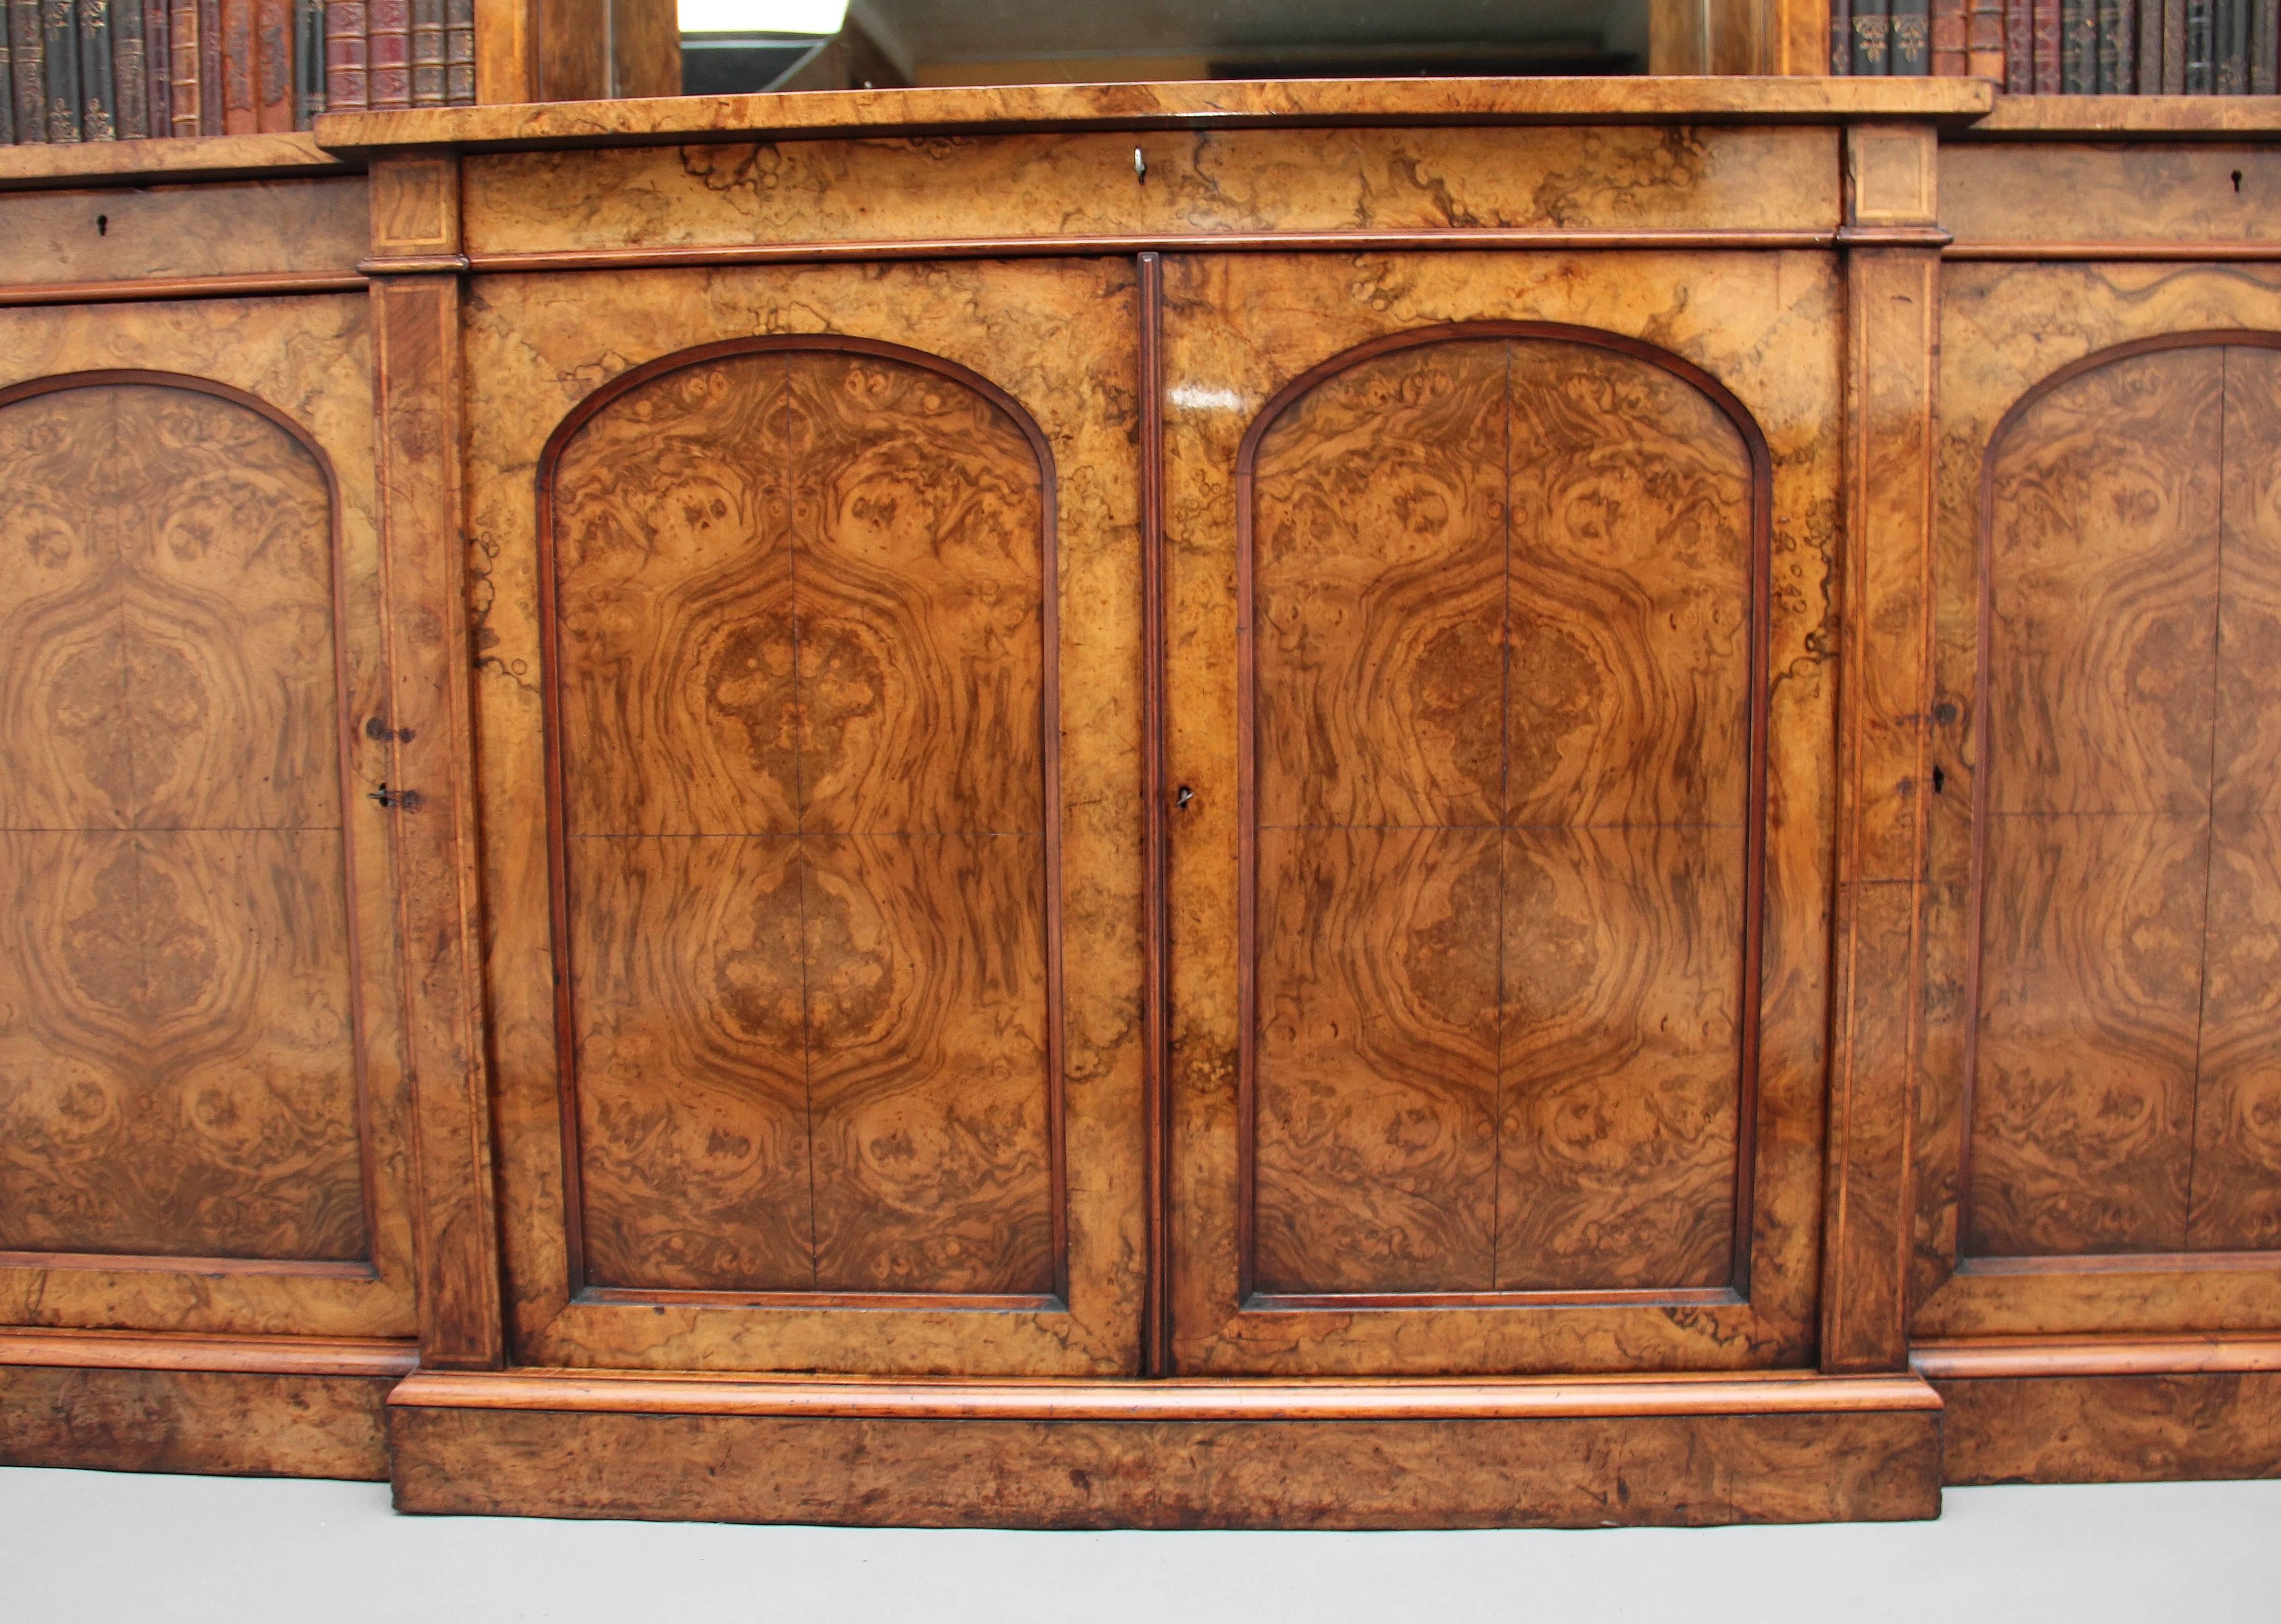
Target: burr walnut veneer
{"points": [[1310, 805]]}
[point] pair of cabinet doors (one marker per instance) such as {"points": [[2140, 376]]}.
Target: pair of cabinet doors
{"points": [[817, 695]]}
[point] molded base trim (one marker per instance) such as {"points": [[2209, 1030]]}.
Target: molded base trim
{"points": [[1549, 1452]]}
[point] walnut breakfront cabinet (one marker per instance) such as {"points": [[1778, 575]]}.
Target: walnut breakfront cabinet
{"points": [[1340, 805]]}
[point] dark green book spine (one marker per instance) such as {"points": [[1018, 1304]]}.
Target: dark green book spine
{"points": [[59, 33], [29, 51], [7, 91], [2150, 48], [2232, 47], [2078, 47], [1872, 36], [2199, 76], [2264, 46], [98, 101], [2113, 47], [1912, 49], [308, 61]]}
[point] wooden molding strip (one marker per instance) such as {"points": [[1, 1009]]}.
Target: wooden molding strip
{"points": [[1177, 1400], [180, 288], [45, 166], [2014, 1357], [1894, 236], [275, 1355], [2078, 116], [413, 265], [2208, 253], [162, 1263], [1080, 244]]}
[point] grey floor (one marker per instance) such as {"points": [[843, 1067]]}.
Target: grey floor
{"points": [[102, 1546]]}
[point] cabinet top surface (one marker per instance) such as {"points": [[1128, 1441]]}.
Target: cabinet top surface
{"points": [[1200, 105]]}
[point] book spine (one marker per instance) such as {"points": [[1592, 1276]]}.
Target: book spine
{"points": [[2199, 68], [1872, 36], [2150, 48], [129, 87], [2232, 47], [2264, 45], [1912, 53], [239, 114], [59, 35], [1948, 33], [460, 51], [388, 49], [7, 89], [29, 52], [427, 53], [2019, 48], [2046, 30], [183, 72], [347, 87], [2078, 47], [1983, 41], [308, 62], [2113, 51], [156, 69], [273, 64], [210, 109], [1841, 37], [98, 92]]}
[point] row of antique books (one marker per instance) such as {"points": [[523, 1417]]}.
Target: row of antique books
{"points": [[129, 69], [2066, 47]]}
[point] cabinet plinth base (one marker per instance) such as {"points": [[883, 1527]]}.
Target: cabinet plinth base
{"points": [[2110, 1410], [229, 1406], [1543, 1453]]}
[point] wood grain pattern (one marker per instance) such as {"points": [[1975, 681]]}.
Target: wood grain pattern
{"points": [[230, 1424], [1687, 1470], [179, 1062], [1499, 584], [2128, 868], [2112, 1429], [216, 228], [802, 619]]}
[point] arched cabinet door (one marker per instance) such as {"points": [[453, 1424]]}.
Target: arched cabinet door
{"points": [[2108, 1154], [840, 1069], [1495, 998], [201, 1112]]}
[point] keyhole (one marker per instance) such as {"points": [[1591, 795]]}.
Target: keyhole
{"points": [[102, 221], [2236, 180], [1939, 780], [1181, 797]]}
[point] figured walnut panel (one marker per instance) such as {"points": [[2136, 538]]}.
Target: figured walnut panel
{"points": [[2130, 901], [1502, 591], [178, 1048], [801, 679]]}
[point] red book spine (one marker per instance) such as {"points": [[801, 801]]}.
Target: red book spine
{"points": [[272, 57], [346, 89], [209, 38], [389, 50], [1948, 37], [239, 115], [2046, 30], [159, 65], [2019, 49]]}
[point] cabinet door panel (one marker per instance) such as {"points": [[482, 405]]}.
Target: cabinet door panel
{"points": [[1482, 813], [842, 913], [200, 1110]]}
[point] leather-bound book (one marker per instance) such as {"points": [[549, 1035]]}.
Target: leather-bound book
{"points": [[1948, 31], [98, 93], [1911, 38], [210, 69], [2230, 46], [130, 85], [2046, 24], [308, 61], [2264, 44], [273, 64], [2113, 77], [27, 53], [2174, 47], [185, 100], [59, 35], [2200, 65], [347, 70], [390, 49], [2149, 64], [241, 114], [7, 87], [2018, 47], [1872, 36], [427, 53], [1841, 37], [1983, 41], [2078, 47], [156, 69], [459, 52]]}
